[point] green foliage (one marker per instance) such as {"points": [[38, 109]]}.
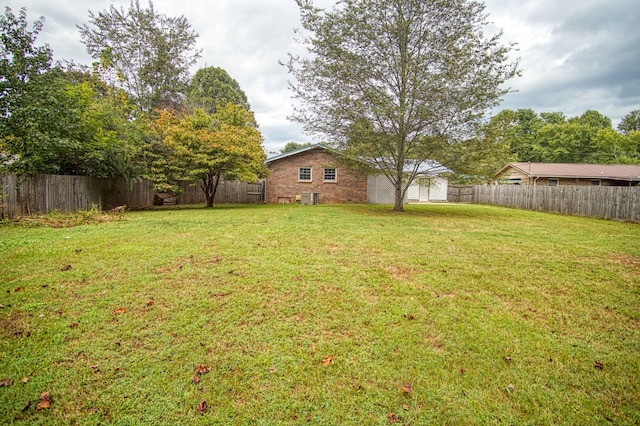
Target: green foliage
{"points": [[73, 128], [207, 147], [476, 161], [24, 72], [630, 122], [212, 88], [553, 138], [57, 121], [163, 49], [417, 74], [21, 62], [292, 146]]}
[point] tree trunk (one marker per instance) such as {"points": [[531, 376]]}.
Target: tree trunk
{"points": [[399, 199], [209, 186]]}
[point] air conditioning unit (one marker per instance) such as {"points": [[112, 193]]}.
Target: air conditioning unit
{"points": [[309, 198]]}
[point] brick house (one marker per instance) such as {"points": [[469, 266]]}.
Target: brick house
{"points": [[313, 170], [563, 174]]}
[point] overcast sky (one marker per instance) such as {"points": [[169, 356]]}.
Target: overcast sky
{"points": [[574, 56]]}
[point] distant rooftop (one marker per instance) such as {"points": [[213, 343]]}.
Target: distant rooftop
{"points": [[626, 172]]}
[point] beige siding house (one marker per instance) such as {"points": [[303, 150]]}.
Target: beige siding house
{"points": [[563, 174]]}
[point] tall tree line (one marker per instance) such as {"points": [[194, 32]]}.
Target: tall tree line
{"points": [[110, 120]]}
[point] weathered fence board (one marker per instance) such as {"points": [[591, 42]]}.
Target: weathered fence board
{"points": [[604, 202], [460, 194], [44, 193]]}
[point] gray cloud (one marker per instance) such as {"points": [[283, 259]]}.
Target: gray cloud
{"points": [[575, 56]]}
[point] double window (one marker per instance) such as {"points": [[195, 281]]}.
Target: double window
{"points": [[304, 174], [329, 174]]}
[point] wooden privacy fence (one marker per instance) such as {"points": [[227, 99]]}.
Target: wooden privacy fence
{"points": [[460, 194], [44, 193], [603, 202]]}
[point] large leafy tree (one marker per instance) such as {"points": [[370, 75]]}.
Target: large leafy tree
{"points": [[405, 77], [149, 52], [212, 88], [53, 120], [205, 148], [24, 71], [22, 63]]}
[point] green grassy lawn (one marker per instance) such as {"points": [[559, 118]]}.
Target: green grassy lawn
{"points": [[288, 314]]}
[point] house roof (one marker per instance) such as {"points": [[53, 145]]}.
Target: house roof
{"points": [[625, 172], [299, 151], [429, 167]]}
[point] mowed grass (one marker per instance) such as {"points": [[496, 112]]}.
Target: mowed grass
{"points": [[445, 314]]}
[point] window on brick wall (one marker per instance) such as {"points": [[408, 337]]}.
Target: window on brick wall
{"points": [[304, 174], [330, 175]]}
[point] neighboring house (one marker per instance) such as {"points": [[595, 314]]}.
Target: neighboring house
{"points": [[563, 174], [295, 175]]}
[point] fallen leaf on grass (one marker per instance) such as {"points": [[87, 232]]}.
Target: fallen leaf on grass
{"points": [[462, 371], [6, 382], [45, 401], [25, 380], [66, 268], [150, 302], [202, 407], [598, 365], [201, 369], [392, 418], [118, 311], [196, 379], [326, 361], [17, 289], [405, 407], [407, 387], [73, 325]]}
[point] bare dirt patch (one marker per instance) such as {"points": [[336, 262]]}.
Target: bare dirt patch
{"points": [[626, 260]]}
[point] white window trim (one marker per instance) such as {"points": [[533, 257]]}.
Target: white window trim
{"points": [[310, 174], [335, 172]]}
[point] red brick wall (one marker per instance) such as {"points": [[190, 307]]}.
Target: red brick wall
{"points": [[350, 187]]}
